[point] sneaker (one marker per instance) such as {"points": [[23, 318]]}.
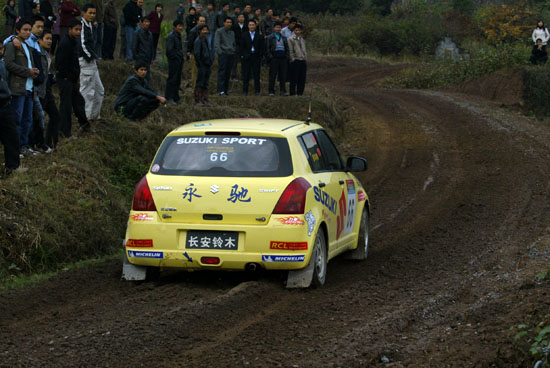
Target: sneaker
{"points": [[234, 80], [284, 94], [19, 170], [271, 94], [245, 94], [222, 93], [172, 102], [45, 149], [87, 128], [257, 94]]}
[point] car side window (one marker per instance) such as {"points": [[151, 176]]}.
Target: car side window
{"points": [[331, 155], [313, 152]]}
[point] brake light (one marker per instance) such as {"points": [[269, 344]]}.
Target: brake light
{"points": [[139, 243], [143, 199], [210, 260], [293, 199]]}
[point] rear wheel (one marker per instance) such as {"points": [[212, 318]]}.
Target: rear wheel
{"points": [[319, 259], [361, 252]]}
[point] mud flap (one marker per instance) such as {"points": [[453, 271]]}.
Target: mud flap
{"points": [[132, 272], [301, 278]]}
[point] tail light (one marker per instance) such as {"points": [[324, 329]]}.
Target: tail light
{"points": [[143, 199], [293, 199]]}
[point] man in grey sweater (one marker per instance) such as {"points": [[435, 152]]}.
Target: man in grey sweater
{"points": [[224, 44]]}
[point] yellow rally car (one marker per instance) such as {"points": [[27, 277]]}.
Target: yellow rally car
{"points": [[242, 194]]}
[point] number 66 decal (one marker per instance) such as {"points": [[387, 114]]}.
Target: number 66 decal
{"points": [[222, 156]]}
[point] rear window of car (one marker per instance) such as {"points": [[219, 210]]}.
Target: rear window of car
{"points": [[223, 155]]}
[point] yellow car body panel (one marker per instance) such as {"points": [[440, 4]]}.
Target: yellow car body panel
{"points": [[242, 207]]}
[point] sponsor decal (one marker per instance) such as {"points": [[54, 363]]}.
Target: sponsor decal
{"points": [[139, 243], [162, 188], [238, 195], [188, 257], [351, 206], [143, 254], [214, 189], [155, 168], [142, 217], [269, 190], [361, 196], [310, 218], [190, 192], [325, 199], [217, 140], [270, 259], [169, 209], [288, 245], [203, 125], [291, 220]]}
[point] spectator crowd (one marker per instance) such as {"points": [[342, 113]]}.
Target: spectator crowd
{"points": [[45, 45]]}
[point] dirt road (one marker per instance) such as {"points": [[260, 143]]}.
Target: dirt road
{"points": [[460, 195]]}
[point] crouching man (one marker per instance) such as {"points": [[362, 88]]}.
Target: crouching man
{"points": [[136, 99]]}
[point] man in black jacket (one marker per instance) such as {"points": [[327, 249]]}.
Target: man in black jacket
{"points": [[251, 49], [277, 54], [240, 26], [142, 46], [203, 59], [132, 15], [68, 72], [136, 99], [8, 130], [174, 54]]}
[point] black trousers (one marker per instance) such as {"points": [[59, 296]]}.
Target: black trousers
{"points": [[298, 72], [71, 100], [36, 138], [277, 67], [155, 44], [52, 129], [174, 80], [9, 136], [252, 66], [139, 107], [225, 65], [203, 77], [109, 42]]}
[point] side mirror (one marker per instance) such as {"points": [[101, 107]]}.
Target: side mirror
{"points": [[356, 164]]}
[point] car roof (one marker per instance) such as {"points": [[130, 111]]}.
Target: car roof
{"points": [[250, 125]]}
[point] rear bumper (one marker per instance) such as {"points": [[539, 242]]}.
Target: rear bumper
{"points": [[165, 245]]}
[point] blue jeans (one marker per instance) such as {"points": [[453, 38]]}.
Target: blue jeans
{"points": [[129, 30], [22, 109]]}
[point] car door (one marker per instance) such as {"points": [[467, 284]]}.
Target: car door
{"points": [[326, 185], [343, 187]]}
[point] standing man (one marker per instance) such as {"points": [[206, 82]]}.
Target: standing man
{"points": [[8, 129], [266, 26], [211, 18], [247, 11], [289, 30], [68, 70], [69, 11], [252, 46], [174, 54], [45, 94], [239, 28], [91, 87], [298, 61], [191, 37], [156, 17], [224, 43], [180, 12], [98, 26], [220, 18], [236, 12], [142, 48], [22, 71], [132, 15], [136, 99], [277, 58], [110, 26], [204, 60]]}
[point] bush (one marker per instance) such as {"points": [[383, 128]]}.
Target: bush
{"points": [[535, 89], [482, 61]]}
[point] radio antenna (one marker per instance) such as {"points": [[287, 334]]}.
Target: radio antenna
{"points": [[308, 120]]}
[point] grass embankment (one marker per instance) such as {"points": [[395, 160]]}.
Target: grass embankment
{"points": [[73, 204]]}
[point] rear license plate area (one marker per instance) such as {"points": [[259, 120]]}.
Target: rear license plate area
{"points": [[215, 240]]}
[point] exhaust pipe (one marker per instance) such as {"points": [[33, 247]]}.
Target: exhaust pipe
{"points": [[251, 267]]}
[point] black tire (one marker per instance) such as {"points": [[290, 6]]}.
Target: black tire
{"points": [[153, 274], [319, 259], [362, 251]]}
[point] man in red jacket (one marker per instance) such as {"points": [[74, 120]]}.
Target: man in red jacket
{"points": [[69, 11], [156, 17]]}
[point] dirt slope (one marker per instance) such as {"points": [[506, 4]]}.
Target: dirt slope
{"points": [[460, 196]]}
